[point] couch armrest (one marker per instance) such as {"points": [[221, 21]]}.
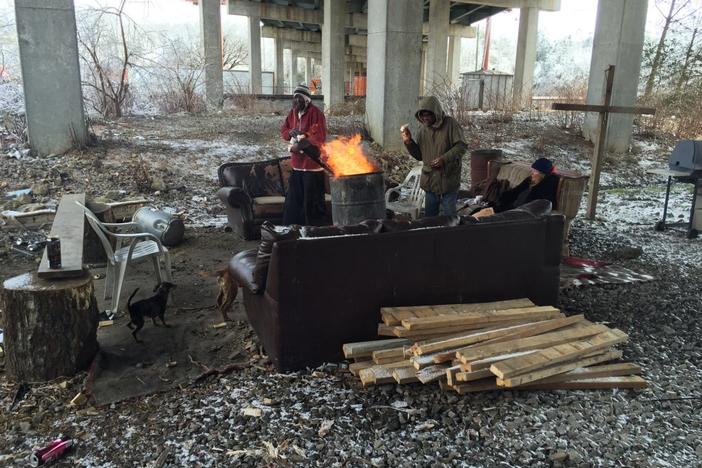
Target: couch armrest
{"points": [[235, 197], [241, 266]]}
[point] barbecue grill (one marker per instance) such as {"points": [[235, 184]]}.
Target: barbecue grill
{"points": [[684, 165]]}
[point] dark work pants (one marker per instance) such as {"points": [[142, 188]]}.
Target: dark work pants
{"points": [[304, 203]]}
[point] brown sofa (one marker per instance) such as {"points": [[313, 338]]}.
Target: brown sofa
{"points": [[571, 187], [254, 192], [323, 292]]}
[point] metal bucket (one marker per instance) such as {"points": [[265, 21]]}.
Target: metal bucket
{"points": [[357, 197], [162, 224], [479, 164]]}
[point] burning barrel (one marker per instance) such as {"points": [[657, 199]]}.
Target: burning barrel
{"points": [[357, 187], [357, 197]]}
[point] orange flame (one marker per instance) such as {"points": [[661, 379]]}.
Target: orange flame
{"points": [[345, 157]]}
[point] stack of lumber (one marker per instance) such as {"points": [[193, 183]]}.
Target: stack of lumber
{"points": [[510, 344]]}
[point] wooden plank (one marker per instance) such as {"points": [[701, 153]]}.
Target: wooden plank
{"points": [[514, 331], [600, 147], [546, 340], [580, 373], [451, 374], [487, 362], [397, 314], [405, 375], [356, 367], [557, 353], [383, 356], [632, 381], [480, 318], [477, 386], [560, 368], [417, 335], [431, 374], [472, 376], [69, 227], [601, 108], [366, 348]]}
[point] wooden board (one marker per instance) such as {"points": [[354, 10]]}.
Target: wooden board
{"points": [[487, 362], [555, 369], [405, 375], [511, 332], [580, 373], [395, 315], [526, 344], [480, 318], [431, 374], [383, 356], [69, 227], [472, 376], [557, 353], [632, 381], [356, 367], [366, 348]]}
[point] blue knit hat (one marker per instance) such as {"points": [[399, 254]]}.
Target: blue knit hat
{"points": [[543, 165]]}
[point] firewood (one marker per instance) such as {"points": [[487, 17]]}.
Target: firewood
{"points": [[557, 353], [405, 375], [395, 315], [546, 340], [514, 331], [548, 371], [479, 318], [366, 348]]}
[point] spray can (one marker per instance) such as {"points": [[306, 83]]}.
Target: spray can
{"points": [[51, 452]]}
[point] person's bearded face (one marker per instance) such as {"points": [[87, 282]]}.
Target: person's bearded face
{"points": [[428, 118], [299, 103]]}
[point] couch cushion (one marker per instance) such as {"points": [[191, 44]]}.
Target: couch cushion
{"points": [[531, 210], [241, 266], [268, 206], [270, 234]]}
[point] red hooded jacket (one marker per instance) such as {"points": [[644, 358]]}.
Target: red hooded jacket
{"points": [[311, 123]]}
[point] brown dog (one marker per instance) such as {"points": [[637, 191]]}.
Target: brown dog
{"points": [[228, 289]]}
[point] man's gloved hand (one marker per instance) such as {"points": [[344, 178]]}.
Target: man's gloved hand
{"points": [[304, 146], [294, 133]]}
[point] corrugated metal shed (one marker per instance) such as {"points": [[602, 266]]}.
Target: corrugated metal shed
{"points": [[487, 89]]}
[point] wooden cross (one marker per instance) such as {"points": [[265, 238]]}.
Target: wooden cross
{"points": [[604, 111]]}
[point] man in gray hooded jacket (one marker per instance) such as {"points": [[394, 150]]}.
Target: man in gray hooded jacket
{"points": [[440, 146]]}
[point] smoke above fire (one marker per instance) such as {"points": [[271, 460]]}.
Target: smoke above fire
{"points": [[345, 157]]}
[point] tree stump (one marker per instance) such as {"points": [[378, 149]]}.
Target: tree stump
{"points": [[50, 326]]}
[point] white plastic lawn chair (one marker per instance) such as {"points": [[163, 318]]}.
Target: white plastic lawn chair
{"points": [[129, 247], [407, 197]]}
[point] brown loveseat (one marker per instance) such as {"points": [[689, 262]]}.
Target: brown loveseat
{"points": [[568, 196], [323, 292], [254, 192]]}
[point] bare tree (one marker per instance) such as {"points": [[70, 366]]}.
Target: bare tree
{"points": [[105, 36], [178, 69], [669, 19], [234, 52]]}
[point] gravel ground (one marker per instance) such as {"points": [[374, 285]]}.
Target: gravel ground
{"points": [[321, 417]]}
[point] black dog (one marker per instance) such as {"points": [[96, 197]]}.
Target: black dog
{"points": [[153, 307]]}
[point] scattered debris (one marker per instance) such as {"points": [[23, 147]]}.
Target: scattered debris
{"points": [[253, 412], [325, 427], [79, 400]]}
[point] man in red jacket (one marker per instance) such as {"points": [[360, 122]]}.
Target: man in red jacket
{"points": [[306, 129]]}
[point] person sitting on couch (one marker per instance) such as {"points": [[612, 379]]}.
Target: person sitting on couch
{"points": [[542, 184]]}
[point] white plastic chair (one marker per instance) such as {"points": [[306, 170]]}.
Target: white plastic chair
{"points": [[129, 247], [407, 197]]}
